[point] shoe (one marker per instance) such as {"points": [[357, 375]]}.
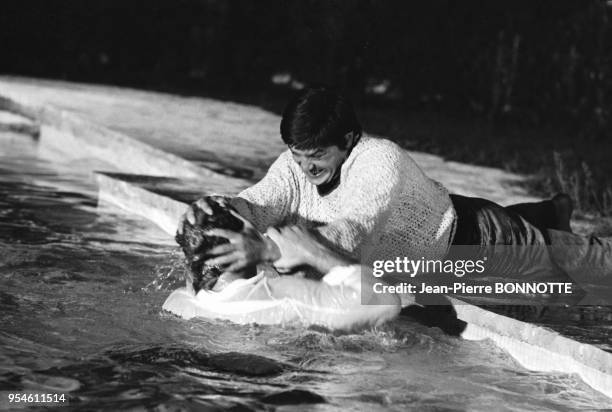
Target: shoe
{"points": [[564, 206]]}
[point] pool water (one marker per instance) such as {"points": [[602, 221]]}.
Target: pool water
{"points": [[81, 289]]}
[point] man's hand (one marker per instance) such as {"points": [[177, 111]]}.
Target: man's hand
{"points": [[245, 248], [300, 247], [297, 246], [202, 204]]}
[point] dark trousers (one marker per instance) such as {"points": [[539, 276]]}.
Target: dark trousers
{"points": [[481, 222], [530, 249]]}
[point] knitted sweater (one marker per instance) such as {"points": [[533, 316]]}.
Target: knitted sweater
{"points": [[384, 206]]}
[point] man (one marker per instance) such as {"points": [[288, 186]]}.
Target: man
{"points": [[366, 198], [363, 196]]}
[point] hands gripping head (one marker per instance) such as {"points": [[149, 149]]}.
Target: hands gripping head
{"points": [[195, 243]]}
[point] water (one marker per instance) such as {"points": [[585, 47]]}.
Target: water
{"points": [[82, 284]]}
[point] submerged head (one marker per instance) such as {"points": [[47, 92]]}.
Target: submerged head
{"points": [[195, 243], [320, 127]]}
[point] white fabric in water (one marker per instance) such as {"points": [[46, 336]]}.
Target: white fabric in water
{"points": [[335, 302]]}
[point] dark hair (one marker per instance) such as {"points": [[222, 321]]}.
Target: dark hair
{"points": [[193, 241], [318, 117]]}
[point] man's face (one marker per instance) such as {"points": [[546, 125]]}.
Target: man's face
{"points": [[320, 165]]}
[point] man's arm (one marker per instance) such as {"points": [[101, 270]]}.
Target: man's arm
{"points": [[274, 198], [264, 204], [297, 246]]}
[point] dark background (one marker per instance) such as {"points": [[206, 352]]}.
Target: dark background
{"points": [[524, 85]]}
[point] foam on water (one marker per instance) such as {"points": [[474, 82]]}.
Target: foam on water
{"points": [[82, 284]]}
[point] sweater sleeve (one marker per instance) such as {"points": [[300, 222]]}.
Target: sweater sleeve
{"points": [[371, 187], [273, 199]]}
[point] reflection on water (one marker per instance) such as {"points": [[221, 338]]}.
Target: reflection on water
{"points": [[81, 287]]}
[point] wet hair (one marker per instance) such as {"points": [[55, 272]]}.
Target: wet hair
{"points": [[194, 242], [318, 117]]}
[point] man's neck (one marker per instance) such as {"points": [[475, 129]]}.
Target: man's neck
{"points": [[328, 187]]}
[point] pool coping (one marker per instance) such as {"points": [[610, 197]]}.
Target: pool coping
{"points": [[534, 347], [122, 151]]}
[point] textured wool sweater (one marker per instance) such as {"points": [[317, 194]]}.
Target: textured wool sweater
{"points": [[384, 206]]}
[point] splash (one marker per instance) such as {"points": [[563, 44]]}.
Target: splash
{"points": [[169, 275]]}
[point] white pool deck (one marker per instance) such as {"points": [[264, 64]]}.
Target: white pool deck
{"points": [[150, 143]]}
